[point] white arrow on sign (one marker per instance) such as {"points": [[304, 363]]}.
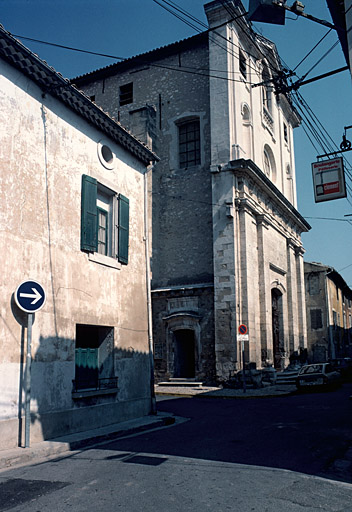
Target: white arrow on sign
{"points": [[35, 295]]}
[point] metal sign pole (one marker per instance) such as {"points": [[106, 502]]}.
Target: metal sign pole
{"points": [[28, 381], [244, 368]]}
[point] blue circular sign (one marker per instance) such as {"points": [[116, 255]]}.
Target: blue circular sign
{"points": [[30, 296]]}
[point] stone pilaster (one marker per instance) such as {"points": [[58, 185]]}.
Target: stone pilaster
{"points": [[292, 298], [264, 289], [301, 299], [224, 274], [249, 278]]}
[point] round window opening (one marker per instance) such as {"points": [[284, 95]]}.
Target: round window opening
{"points": [[106, 156]]}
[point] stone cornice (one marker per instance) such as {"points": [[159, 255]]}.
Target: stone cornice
{"points": [[248, 168]]}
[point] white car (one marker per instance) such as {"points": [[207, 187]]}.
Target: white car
{"points": [[318, 374]]}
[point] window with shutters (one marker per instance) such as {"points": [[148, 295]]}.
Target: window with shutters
{"points": [[104, 221], [316, 321], [94, 358]]}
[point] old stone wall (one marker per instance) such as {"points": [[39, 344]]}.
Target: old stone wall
{"points": [[190, 308]]}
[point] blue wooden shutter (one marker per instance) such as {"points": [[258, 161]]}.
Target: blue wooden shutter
{"points": [[124, 217], [89, 214]]}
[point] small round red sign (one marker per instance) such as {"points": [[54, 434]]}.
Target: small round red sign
{"points": [[242, 329]]}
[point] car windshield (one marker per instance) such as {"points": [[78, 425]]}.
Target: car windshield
{"points": [[313, 368]]}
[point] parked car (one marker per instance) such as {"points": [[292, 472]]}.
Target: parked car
{"points": [[318, 375], [344, 366]]}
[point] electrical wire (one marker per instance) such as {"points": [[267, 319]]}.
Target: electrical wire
{"points": [[182, 69], [313, 128], [228, 41], [331, 145], [326, 218], [311, 51], [321, 58]]}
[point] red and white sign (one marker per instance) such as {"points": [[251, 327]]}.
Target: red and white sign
{"points": [[328, 180]]}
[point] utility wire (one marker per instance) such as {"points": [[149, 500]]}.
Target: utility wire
{"points": [[182, 69], [311, 51], [319, 61], [327, 218], [234, 18], [332, 146]]}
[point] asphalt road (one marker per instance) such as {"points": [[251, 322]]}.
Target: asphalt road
{"points": [[275, 454]]}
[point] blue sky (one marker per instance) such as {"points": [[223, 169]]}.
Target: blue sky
{"points": [[124, 28]]}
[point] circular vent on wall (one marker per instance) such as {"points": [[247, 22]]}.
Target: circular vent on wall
{"points": [[105, 154]]}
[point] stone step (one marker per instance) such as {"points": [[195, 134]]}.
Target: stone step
{"points": [[179, 382]]}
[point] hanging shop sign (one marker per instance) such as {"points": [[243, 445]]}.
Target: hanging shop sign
{"points": [[328, 180]]}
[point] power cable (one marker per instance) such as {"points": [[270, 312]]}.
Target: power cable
{"points": [[183, 11], [319, 61], [332, 146], [327, 218], [311, 51], [213, 29], [183, 69]]}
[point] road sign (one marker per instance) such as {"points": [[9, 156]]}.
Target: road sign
{"points": [[30, 296], [328, 179], [243, 337], [242, 329]]}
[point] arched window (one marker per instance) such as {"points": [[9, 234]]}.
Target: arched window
{"points": [[269, 166], [266, 89], [246, 114]]}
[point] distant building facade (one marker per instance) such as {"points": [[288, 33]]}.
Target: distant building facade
{"points": [[72, 218], [227, 244], [329, 313]]}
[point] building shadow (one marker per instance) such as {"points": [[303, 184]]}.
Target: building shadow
{"points": [[301, 433], [79, 386]]}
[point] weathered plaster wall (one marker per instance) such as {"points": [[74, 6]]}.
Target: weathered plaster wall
{"points": [[44, 151]]}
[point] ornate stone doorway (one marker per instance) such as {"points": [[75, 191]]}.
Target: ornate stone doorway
{"points": [[184, 353]]}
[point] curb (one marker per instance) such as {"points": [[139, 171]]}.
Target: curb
{"points": [[85, 443], [51, 448], [225, 396]]}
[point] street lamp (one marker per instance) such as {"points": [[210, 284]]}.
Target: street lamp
{"points": [[273, 11]]}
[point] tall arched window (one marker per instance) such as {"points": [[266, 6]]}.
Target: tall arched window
{"points": [[246, 139], [266, 89], [269, 166], [246, 114]]}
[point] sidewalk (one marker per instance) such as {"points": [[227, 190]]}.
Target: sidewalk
{"points": [[38, 452], [214, 392]]}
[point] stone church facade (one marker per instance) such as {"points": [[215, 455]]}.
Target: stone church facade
{"points": [[226, 234]]}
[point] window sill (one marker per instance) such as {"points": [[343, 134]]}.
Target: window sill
{"points": [[93, 392], [107, 261]]}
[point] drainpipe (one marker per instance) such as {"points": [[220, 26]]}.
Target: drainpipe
{"points": [[149, 295]]}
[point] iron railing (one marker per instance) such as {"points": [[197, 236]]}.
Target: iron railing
{"points": [[94, 384]]}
